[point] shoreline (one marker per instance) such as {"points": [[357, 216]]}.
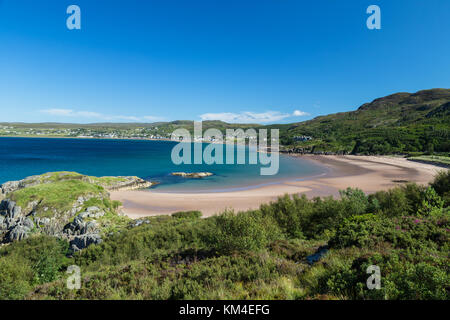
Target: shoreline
{"points": [[369, 173]]}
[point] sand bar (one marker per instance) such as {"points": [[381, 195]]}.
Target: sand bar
{"points": [[369, 173]]}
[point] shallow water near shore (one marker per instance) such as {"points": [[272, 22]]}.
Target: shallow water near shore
{"points": [[151, 160]]}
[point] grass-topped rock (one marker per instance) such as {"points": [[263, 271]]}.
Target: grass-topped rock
{"points": [[63, 204]]}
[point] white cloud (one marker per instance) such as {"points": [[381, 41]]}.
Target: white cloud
{"points": [[97, 116], [298, 113], [251, 117], [246, 117]]}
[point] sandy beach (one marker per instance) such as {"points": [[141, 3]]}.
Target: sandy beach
{"points": [[369, 173]]}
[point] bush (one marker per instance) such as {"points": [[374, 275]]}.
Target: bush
{"points": [[289, 213], [16, 277], [45, 255], [393, 202], [355, 200], [356, 231], [432, 204], [243, 232], [187, 215], [441, 184]]}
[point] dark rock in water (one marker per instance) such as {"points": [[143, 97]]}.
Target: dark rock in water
{"points": [[192, 174], [321, 251], [81, 242]]}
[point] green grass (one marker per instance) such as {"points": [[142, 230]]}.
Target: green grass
{"points": [[59, 195], [433, 159]]}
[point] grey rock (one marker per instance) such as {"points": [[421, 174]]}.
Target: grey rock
{"points": [[81, 242], [15, 212], [92, 212], [27, 222], [9, 209], [90, 227], [17, 233], [42, 221], [192, 174], [139, 222], [75, 227]]}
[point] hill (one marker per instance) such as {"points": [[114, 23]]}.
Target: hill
{"points": [[398, 123]]}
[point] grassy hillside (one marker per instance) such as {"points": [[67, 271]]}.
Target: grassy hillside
{"points": [[399, 123], [293, 248]]}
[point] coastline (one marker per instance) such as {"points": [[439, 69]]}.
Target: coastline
{"points": [[369, 173]]}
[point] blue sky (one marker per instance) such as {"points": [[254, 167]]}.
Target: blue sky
{"points": [[235, 60]]}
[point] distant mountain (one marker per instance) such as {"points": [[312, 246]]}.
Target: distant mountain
{"points": [[398, 123]]}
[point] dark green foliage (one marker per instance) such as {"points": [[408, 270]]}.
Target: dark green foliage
{"points": [[243, 232], [33, 261], [288, 213], [393, 202], [187, 214], [16, 278], [442, 186]]}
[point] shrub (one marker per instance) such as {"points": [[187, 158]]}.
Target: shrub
{"points": [[242, 232], [16, 277], [432, 204], [355, 200], [441, 184], [187, 215], [289, 213], [393, 202], [357, 231]]}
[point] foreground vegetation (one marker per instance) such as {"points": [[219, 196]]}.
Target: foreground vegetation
{"points": [[293, 248]]}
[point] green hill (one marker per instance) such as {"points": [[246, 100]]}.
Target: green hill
{"points": [[398, 123]]}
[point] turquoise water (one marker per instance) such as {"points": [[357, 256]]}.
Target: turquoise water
{"points": [[151, 160]]}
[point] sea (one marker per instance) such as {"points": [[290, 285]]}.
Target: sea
{"points": [[148, 159]]}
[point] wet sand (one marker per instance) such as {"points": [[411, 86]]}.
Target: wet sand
{"points": [[369, 173]]}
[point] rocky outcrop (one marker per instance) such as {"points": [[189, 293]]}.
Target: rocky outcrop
{"points": [[13, 224], [83, 241], [192, 174], [19, 232], [139, 222], [109, 183], [16, 225], [71, 218], [128, 183]]}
